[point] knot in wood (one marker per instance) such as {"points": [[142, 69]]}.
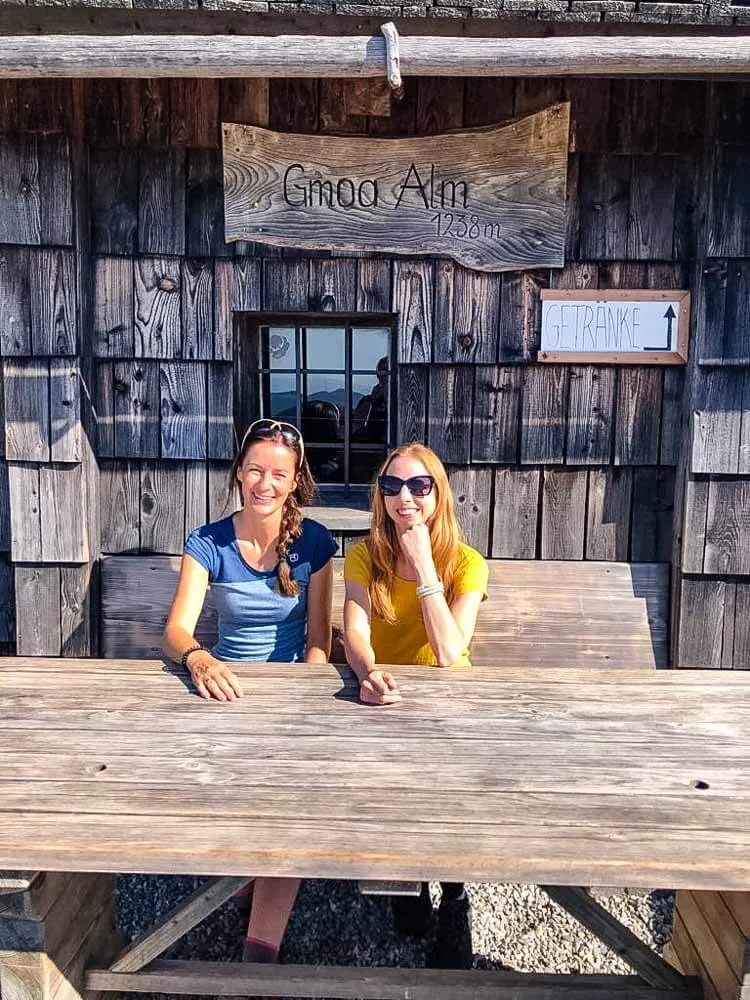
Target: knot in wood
{"points": [[466, 340], [167, 285], [24, 187]]}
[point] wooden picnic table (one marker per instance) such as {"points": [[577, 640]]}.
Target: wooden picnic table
{"points": [[567, 776]]}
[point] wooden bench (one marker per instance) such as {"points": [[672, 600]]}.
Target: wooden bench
{"points": [[546, 614]]}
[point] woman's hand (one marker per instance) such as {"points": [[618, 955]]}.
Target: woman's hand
{"points": [[379, 688], [213, 678], [417, 548]]}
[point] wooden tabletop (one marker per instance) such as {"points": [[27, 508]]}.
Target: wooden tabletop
{"points": [[569, 776]]}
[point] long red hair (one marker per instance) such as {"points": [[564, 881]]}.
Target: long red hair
{"points": [[382, 542]]}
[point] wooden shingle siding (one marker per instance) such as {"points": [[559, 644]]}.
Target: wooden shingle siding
{"points": [[712, 940]]}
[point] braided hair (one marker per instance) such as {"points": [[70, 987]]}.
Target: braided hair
{"points": [[291, 515]]}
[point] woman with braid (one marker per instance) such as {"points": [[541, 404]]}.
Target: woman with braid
{"points": [[271, 577]]}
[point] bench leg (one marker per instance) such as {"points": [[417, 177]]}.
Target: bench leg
{"points": [[50, 932]]}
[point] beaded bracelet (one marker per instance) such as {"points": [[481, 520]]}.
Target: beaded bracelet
{"points": [[430, 588], [186, 654]]}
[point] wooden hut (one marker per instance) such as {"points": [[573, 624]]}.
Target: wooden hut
{"points": [[125, 315]]}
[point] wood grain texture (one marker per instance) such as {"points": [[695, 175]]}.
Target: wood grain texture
{"points": [[543, 415], [472, 491], [717, 425], [637, 426], [120, 491], [55, 190], [333, 285], [161, 201], [77, 587], [467, 306], [4, 509], [53, 302], [226, 284], [197, 309], [113, 307], [695, 516], [412, 394], [66, 443], [701, 627], [563, 514], [194, 113], [196, 495], [26, 404], [728, 528], [37, 610], [114, 200], [652, 516], [286, 285], [496, 417], [63, 514], [728, 219], [220, 405], [608, 514], [137, 408], [145, 112], [204, 205], [381, 205], [25, 517], [520, 315], [450, 412], [373, 285], [651, 218], [671, 443], [182, 387], [162, 507], [15, 311], [245, 100], [413, 292], [590, 414], [158, 332], [20, 208], [604, 192], [516, 513], [103, 112]]}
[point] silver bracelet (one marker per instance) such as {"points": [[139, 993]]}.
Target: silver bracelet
{"points": [[430, 588]]}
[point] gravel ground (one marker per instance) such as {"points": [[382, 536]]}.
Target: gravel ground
{"points": [[513, 926]]}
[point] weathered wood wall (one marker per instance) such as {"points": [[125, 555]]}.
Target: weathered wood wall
{"points": [[116, 287]]}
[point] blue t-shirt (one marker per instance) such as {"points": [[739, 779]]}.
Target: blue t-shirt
{"points": [[256, 622]]}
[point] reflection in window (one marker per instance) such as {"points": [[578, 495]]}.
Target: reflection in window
{"points": [[336, 384]]}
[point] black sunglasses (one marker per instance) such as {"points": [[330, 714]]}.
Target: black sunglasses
{"points": [[418, 486]]}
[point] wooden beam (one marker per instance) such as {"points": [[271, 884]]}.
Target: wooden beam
{"points": [[177, 923], [242, 979], [58, 55], [618, 938]]}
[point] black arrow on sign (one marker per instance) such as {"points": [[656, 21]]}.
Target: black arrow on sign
{"points": [[669, 315]]}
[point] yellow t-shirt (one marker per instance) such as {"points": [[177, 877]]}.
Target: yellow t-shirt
{"points": [[406, 641]]}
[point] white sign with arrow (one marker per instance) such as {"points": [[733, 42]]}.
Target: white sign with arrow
{"points": [[620, 326]]}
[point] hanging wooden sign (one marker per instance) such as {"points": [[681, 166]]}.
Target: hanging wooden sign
{"points": [[491, 198], [619, 326]]}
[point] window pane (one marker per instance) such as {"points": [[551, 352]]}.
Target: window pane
{"points": [[371, 345], [364, 464], [280, 347], [280, 397], [326, 464], [325, 347], [323, 408], [370, 407]]}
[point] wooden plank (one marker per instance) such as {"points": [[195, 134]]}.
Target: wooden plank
{"points": [[735, 349], [244, 100], [590, 414], [373, 285], [120, 501], [741, 638], [641, 97], [472, 491], [244, 281], [516, 513], [76, 604], [333, 285], [204, 205], [653, 508], [158, 331], [496, 417], [695, 516], [26, 399], [161, 201], [145, 112], [520, 315], [162, 507], [63, 514], [55, 190], [196, 494], [220, 400], [638, 420], [65, 410], [25, 517], [286, 285], [53, 302], [724, 979], [412, 402], [727, 529], [380, 983], [38, 610], [739, 905], [7, 601], [467, 305], [293, 104], [103, 112], [563, 514], [728, 219], [724, 928], [690, 208], [15, 312], [450, 412], [710, 310], [104, 405], [590, 111], [652, 208], [413, 305], [227, 282], [137, 407], [618, 938], [20, 209], [194, 113], [717, 422], [4, 509], [336, 115], [545, 391], [682, 101], [608, 520], [671, 416], [604, 192], [701, 622], [114, 199], [181, 919], [689, 960], [182, 386], [113, 307], [197, 309]]}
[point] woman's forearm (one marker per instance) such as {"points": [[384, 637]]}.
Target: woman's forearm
{"points": [[359, 654], [176, 641], [445, 637]]}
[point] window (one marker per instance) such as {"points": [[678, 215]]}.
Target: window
{"points": [[334, 381]]}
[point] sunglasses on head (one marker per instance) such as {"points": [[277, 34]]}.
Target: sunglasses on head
{"points": [[267, 428], [418, 486]]}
